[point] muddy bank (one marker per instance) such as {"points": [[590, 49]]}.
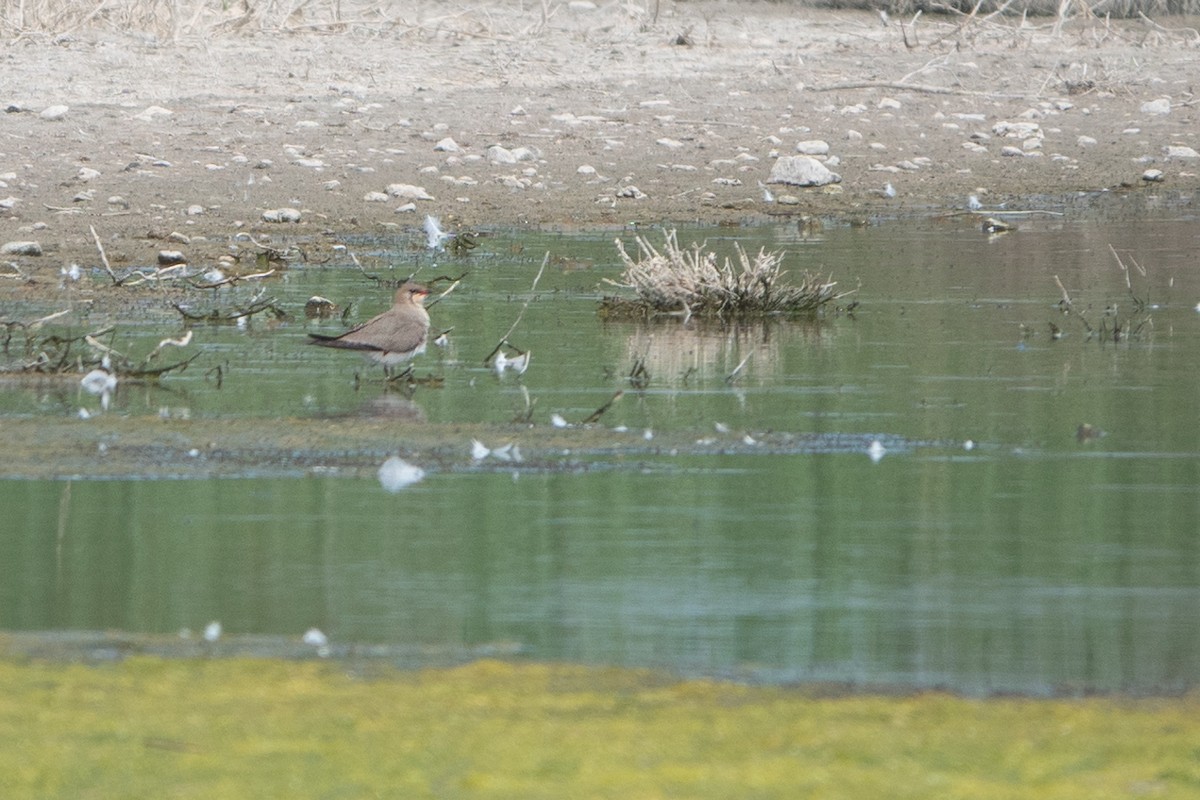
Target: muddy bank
{"points": [[602, 117]]}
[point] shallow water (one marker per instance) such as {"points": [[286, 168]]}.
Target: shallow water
{"points": [[989, 549]]}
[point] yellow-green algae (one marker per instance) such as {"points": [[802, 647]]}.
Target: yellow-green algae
{"points": [[247, 728]]}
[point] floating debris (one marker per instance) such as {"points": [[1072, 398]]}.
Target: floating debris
{"points": [[435, 237], [557, 421], [315, 637], [317, 307], [396, 474], [212, 631], [100, 382], [876, 451], [993, 225], [518, 363]]}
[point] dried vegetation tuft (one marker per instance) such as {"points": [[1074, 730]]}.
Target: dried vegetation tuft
{"points": [[696, 282]]}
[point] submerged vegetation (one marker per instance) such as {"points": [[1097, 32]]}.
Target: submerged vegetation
{"points": [[148, 727], [695, 282]]}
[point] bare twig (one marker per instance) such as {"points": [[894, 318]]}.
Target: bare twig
{"points": [[103, 256], [504, 339], [599, 412]]}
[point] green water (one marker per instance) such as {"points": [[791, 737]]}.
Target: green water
{"points": [[989, 549]]}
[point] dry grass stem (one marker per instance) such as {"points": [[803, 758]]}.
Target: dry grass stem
{"points": [[695, 282]]}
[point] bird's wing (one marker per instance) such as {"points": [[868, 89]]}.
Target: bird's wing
{"points": [[400, 332]]}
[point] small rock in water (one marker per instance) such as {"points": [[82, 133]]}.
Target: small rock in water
{"points": [[21, 249], [55, 112], [281, 215], [802, 171]]}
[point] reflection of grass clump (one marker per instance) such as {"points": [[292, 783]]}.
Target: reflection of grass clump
{"points": [[695, 282]]}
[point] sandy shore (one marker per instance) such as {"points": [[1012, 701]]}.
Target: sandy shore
{"points": [[614, 117]]}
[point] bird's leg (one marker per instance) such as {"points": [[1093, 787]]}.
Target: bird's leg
{"points": [[406, 375]]}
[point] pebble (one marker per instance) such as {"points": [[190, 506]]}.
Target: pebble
{"points": [[21, 249], [500, 155], [671, 144], [1017, 130], [1085, 141], [448, 145], [1160, 106], [889, 103], [194, 210], [168, 258], [8, 202], [281, 215], [407, 191], [54, 113], [813, 147], [152, 113], [586, 169], [802, 171], [376, 197], [631, 192], [1153, 176], [1180, 151], [311, 163]]}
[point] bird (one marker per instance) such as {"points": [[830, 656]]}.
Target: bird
{"points": [[392, 337]]}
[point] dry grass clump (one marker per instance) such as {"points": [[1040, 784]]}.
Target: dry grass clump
{"points": [[694, 282]]}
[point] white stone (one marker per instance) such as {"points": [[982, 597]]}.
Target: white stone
{"points": [[1180, 151], [1017, 130], [889, 103], [1153, 175], [670, 144], [407, 191], [152, 113], [376, 197], [802, 171], [1160, 106], [281, 215], [448, 145], [86, 174], [500, 155], [1085, 141], [54, 113], [813, 147], [21, 249]]}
